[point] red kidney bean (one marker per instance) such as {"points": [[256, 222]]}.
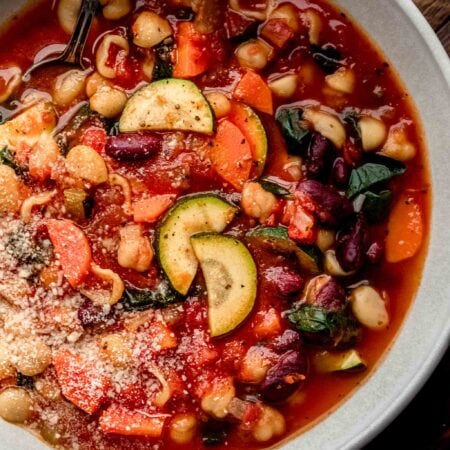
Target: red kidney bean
{"points": [[319, 156], [133, 146], [284, 378], [325, 202], [351, 246], [331, 297], [90, 314], [289, 340], [340, 172], [375, 251], [285, 281]]}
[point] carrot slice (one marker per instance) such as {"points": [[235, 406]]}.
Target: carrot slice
{"points": [[80, 381], [150, 209], [120, 420], [254, 91], [231, 155], [405, 230], [73, 248], [191, 56]]}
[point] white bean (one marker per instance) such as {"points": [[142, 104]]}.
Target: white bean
{"points": [[313, 21], [284, 86], [369, 307], [16, 405], [108, 101], [373, 133], [102, 54], [257, 202], [254, 54], [115, 9], [183, 428], [398, 146], [68, 87], [332, 266], [83, 162], [149, 29], [327, 125], [9, 190], [31, 356], [343, 80], [289, 14], [68, 11], [325, 239], [219, 103]]}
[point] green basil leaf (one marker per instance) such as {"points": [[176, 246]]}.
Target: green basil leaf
{"points": [[310, 319], [372, 173], [376, 206], [7, 159], [290, 120], [274, 188], [270, 232]]}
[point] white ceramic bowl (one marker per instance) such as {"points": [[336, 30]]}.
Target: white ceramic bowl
{"points": [[415, 52]]}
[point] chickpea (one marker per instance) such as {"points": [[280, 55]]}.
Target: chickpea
{"points": [[68, 87], [215, 402], [116, 347], [95, 82], [12, 78], [327, 125], [369, 307], [149, 29], [9, 190], [31, 356], [373, 133], [108, 101], [314, 23], [257, 202], [115, 9], [16, 405], [343, 80], [254, 54], [49, 389], [102, 55], [255, 365], [68, 11], [84, 162], [285, 86], [183, 428], [6, 368], [397, 145], [332, 266], [271, 424], [325, 239], [219, 103], [135, 251]]}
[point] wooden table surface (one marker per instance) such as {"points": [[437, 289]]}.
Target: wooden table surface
{"points": [[425, 423]]}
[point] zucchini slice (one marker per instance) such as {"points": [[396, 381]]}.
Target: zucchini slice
{"points": [[191, 215], [231, 280], [347, 361], [169, 104]]}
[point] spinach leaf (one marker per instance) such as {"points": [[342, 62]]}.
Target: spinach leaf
{"points": [[274, 188], [142, 299], [295, 134], [327, 58], [163, 60], [339, 326], [7, 159], [376, 206], [372, 173]]}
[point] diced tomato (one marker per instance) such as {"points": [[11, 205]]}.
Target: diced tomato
{"points": [[191, 54], [252, 413], [94, 137], [278, 32], [73, 249], [267, 323], [302, 226], [232, 354], [150, 209], [254, 91], [120, 420], [80, 381]]}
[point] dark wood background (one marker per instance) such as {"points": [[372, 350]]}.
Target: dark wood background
{"points": [[425, 423]]}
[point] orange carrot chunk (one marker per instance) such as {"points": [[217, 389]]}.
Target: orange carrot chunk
{"points": [[191, 55], [231, 155], [405, 230], [254, 91], [73, 249], [80, 381], [120, 420], [150, 209]]}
